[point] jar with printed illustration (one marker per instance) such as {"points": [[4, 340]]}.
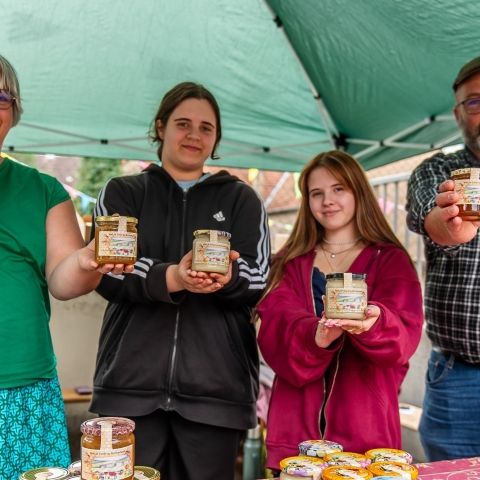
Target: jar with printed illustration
{"points": [[467, 185], [115, 239], [211, 251], [346, 295], [45, 473], [108, 448]]}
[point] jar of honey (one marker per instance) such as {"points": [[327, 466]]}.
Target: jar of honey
{"points": [[211, 251], [115, 239], [347, 458], [346, 296], [467, 185], [50, 473], [108, 448], [389, 455]]}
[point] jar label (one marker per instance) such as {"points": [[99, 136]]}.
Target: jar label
{"points": [[469, 192], [210, 253], [117, 244], [115, 464], [346, 300], [349, 474]]}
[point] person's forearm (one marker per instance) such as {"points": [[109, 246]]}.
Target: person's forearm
{"points": [[69, 280]]}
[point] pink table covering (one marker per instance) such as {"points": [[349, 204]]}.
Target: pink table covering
{"points": [[462, 469]]}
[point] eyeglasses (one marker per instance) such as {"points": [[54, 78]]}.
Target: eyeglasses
{"points": [[471, 105], [6, 99]]}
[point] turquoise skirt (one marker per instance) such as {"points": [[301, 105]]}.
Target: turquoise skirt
{"points": [[33, 431]]}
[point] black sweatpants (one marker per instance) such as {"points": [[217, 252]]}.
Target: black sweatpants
{"points": [[185, 450]]}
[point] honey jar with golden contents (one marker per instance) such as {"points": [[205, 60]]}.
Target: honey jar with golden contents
{"points": [[467, 185], [211, 251], [108, 448], [115, 239]]}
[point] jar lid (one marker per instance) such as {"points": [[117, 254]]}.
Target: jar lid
{"points": [[50, 473], [339, 276], [220, 233], [347, 458], [75, 468], [302, 465], [389, 455], [143, 473], [343, 472], [393, 468], [318, 448], [114, 219], [119, 425]]}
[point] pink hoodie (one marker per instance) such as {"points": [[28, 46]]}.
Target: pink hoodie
{"points": [[357, 379]]}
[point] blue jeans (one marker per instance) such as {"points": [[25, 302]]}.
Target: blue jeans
{"points": [[450, 423]]}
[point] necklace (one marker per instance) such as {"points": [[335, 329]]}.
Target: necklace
{"points": [[353, 242], [334, 254]]}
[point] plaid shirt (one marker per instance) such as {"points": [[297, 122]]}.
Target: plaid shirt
{"points": [[452, 290]]}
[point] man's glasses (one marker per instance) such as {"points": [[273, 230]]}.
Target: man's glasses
{"points": [[471, 105]]}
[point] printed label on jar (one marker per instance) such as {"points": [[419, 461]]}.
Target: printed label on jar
{"points": [[117, 244], [209, 253], [468, 191], [115, 464], [352, 300]]}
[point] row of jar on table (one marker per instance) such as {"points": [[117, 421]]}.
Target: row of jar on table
{"points": [[326, 460]]}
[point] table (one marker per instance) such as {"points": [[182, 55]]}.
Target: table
{"points": [[461, 469]]}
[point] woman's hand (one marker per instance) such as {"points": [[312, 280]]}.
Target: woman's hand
{"points": [[182, 277], [86, 262], [355, 327], [326, 333]]}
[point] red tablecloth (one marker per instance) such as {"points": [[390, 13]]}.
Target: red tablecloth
{"points": [[462, 469]]}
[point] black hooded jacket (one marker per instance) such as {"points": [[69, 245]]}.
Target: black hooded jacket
{"points": [[192, 353]]}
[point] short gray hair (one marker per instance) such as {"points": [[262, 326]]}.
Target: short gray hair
{"points": [[9, 82]]}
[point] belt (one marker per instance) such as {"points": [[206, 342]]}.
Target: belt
{"points": [[448, 354]]}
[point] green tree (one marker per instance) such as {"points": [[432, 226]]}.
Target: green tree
{"points": [[92, 175]]}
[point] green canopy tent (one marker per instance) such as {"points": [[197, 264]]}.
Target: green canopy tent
{"points": [[293, 77]]}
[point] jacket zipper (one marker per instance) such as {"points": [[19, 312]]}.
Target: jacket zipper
{"points": [[177, 316]]}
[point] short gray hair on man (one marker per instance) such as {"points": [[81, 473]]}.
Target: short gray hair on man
{"points": [[9, 83]]}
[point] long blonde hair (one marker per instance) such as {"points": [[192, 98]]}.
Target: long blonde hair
{"points": [[307, 232]]}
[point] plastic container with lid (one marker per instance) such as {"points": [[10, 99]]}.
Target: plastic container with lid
{"points": [[318, 448], [211, 251], [388, 455], [115, 239], [108, 448], [346, 296], [398, 469], [302, 466], [146, 473], [75, 468], [347, 458], [346, 472], [467, 185], [50, 473]]}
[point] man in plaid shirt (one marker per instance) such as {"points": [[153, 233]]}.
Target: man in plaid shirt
{"points": [[450, 424]]}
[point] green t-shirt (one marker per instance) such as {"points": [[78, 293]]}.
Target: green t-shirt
{"points": [[26, 196]]}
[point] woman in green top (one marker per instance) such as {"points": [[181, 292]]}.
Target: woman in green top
{"points": [[41, 250]]}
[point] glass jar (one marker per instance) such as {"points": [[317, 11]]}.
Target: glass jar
{"points": [[146, 473], [346, 296], [389, 455], [116, 240], [211, 251], [347, 458], [467, 185], [50, 473], [108, 448]]}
